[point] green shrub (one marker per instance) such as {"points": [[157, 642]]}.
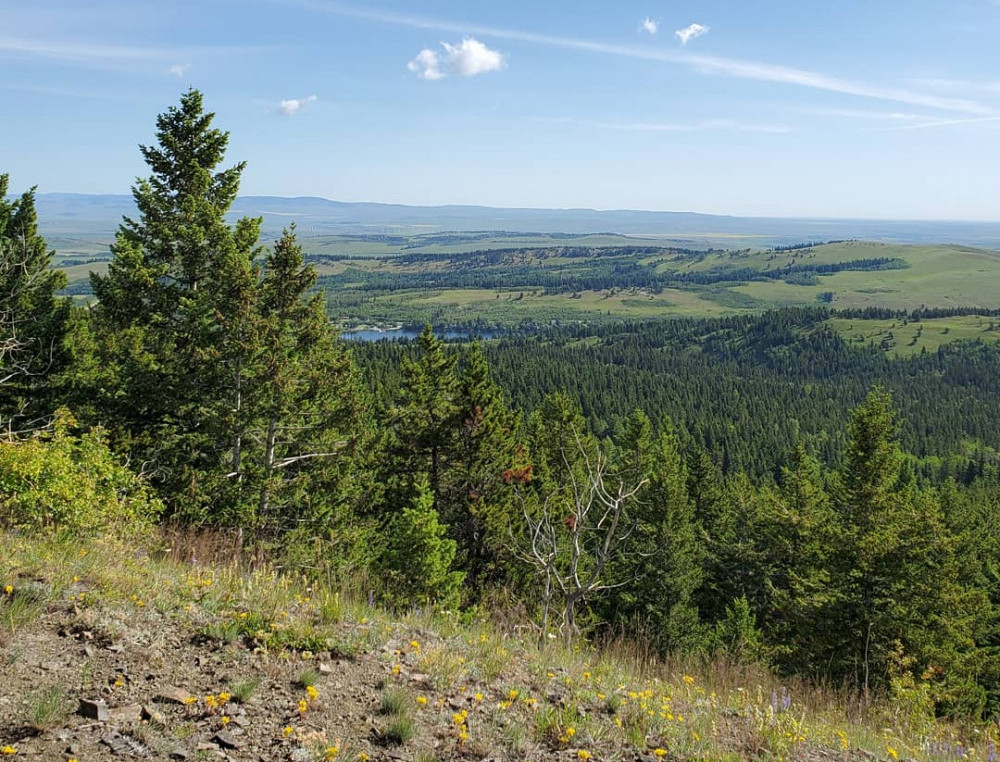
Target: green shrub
{"points": [[58, 481]]}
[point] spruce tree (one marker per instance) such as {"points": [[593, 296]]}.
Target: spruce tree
{"points": [[175, 318], [33, 319]]}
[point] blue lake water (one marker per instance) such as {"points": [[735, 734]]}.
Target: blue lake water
{"points": [[399, 334]]}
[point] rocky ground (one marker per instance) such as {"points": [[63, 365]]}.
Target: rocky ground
{"points": [[108, 654]]}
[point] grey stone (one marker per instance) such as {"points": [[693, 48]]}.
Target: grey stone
{"points": [[94, 710]]}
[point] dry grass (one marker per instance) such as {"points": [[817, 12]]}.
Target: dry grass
{"points": [[527, 699]]}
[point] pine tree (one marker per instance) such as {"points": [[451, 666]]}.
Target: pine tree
{"points": [[419, 555], [33, 320], [175, 317], [304, 411], [424, 422], [487, 451], [664, 555]]}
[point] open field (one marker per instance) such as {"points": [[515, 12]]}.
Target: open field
{"points": [[902, 338]]}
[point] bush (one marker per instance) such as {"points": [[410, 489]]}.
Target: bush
{"points": [[58, 481]]}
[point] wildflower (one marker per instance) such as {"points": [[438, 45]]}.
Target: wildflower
{"points": [[9, 590], [211, 702], [586, 675], [288, 731], [479, 697], [8, 750], [422, 700], [119, 681], [395, 669], [512, 696], [303, 706], [312, 692], [331, 752], [190, 700], [362, 757], [224, 697], [415, 645], [570, 732], [892, 752], [660, 752], [224, 720], [583, 754], [688, 679]]}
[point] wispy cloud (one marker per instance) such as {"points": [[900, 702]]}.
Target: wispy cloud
{"points": [[295, 105], [691, 31], [67, 50], [736, 68], [705, 125], [940, 123], [882, 116], [466, 59], [179, 70], [727, 125], [961, 85], [650, 26]]}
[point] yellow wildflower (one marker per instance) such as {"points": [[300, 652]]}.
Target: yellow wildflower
{"points": [[479, 697], [422, 700], [8, 750], [660, 752], [224, 719], [512, 696], [190, 700], [211, 702], [288, 731], [362, 757], [892, 752], [415, 645], [9, 589], [331, 752], [224, 697], [312, 692], [688, 679], [583, 754], [303, 706], [570, 732]]}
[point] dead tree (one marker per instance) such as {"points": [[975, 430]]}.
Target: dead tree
{"points": [[572, 535]]}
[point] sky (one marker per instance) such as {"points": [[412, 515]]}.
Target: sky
{"points": [[796, 108]]}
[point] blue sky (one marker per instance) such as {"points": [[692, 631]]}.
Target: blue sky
{"points": [[861, 108]]}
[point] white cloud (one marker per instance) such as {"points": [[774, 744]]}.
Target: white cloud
{"points": [[648, 25], [294, 105], [179, 70], [736, 68], [691, 31], [466, 59], [727, 125]]}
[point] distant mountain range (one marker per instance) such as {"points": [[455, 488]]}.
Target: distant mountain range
{"points": [[92, 219]]}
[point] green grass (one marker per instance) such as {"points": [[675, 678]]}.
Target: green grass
{"points": [[903, 338], [936, 276]]}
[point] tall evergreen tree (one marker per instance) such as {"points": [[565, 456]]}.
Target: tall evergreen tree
{"points": [[665, 554], [174, 317], [33, 320]]}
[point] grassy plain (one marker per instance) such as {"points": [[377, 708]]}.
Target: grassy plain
{"points": [[903, 338]]}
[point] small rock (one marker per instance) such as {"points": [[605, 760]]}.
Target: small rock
{"points": [[325, 669], [116, 648], [226, 740], [130, 713], [93, 710], [50, 666], [172, 695], [203, 746], [180, 753]]}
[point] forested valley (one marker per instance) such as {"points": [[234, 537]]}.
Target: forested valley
{"points": [[751, 487]]}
